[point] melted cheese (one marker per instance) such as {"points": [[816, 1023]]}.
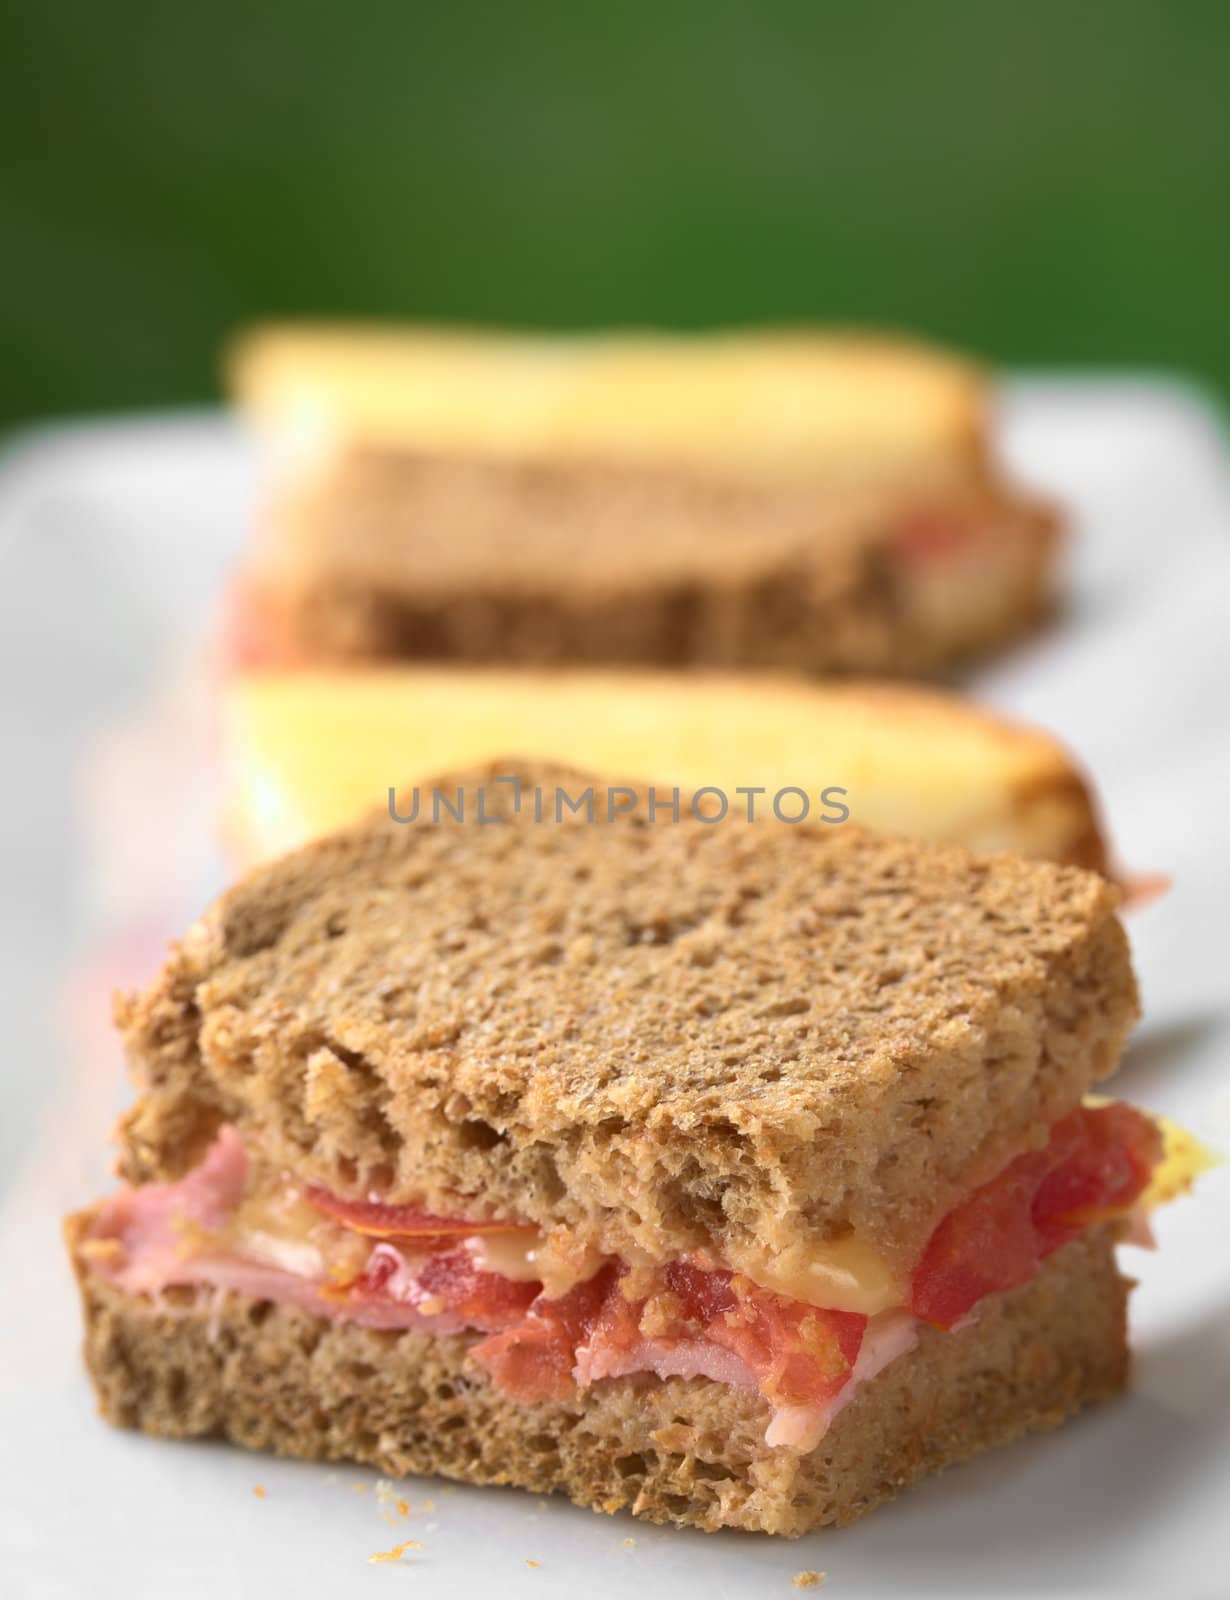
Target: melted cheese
{"points": [[275, 1225], [846, 1275], [1184, 1158], [558, 1261], [841, 1275]]}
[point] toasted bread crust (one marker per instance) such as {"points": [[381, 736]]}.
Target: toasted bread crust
{"points": [[667, 1036], [396, 555], [783, 400], [915, 761], [680, 1451]]}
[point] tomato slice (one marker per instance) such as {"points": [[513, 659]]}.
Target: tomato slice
{"points": [[406, 1222], [1097, 1163], [534, 1359], [799, 1355], [1104, 1159], [984, 1246]]}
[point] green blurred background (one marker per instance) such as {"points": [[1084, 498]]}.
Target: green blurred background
{"points": [[1048, 183]]}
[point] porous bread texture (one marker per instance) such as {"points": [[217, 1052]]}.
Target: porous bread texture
{"points": [[690, 1452], [381, 554], [668, 1037]]}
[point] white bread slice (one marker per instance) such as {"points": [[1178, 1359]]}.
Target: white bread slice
{"points": [[309, 751], [782, 402]]}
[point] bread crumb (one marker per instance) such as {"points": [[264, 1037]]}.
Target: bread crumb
{"points": [[397, 1552], [808, 1580], [259, 1490], [394, 1506], [631, 1543]]}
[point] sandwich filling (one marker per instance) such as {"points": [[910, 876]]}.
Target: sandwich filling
{"points": [[553, 1316]]}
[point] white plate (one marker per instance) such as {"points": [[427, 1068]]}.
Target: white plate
{"points": [[114, 540]]}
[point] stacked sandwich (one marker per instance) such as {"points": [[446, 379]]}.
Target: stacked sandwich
{"points": [[737, 1175]]}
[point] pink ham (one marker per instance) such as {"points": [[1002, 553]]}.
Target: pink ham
{"points": [[148, 1221]]}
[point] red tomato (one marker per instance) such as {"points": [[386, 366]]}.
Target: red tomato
{"points": [[534, 1359], [1103, 1160], [398, 1222], [1097, 1162], [798, 1353]]}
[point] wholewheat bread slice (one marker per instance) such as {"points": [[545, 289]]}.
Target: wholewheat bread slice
{"points": [[385, 556], [682, 1451], [664, 1036]]}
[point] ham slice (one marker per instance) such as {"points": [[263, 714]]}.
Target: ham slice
{"points": [[159, 1236], [151, 1222]]}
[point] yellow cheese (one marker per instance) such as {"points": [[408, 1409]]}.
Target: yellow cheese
{"points": [[842, 1275], [559, 1261], [309, 751], [1184, 1158], [847, 1275], [511, 1255], [276, 1225]]}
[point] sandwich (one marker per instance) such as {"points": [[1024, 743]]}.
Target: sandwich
{"points": [[735, 1176], [305, 752], [828, 503]]}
